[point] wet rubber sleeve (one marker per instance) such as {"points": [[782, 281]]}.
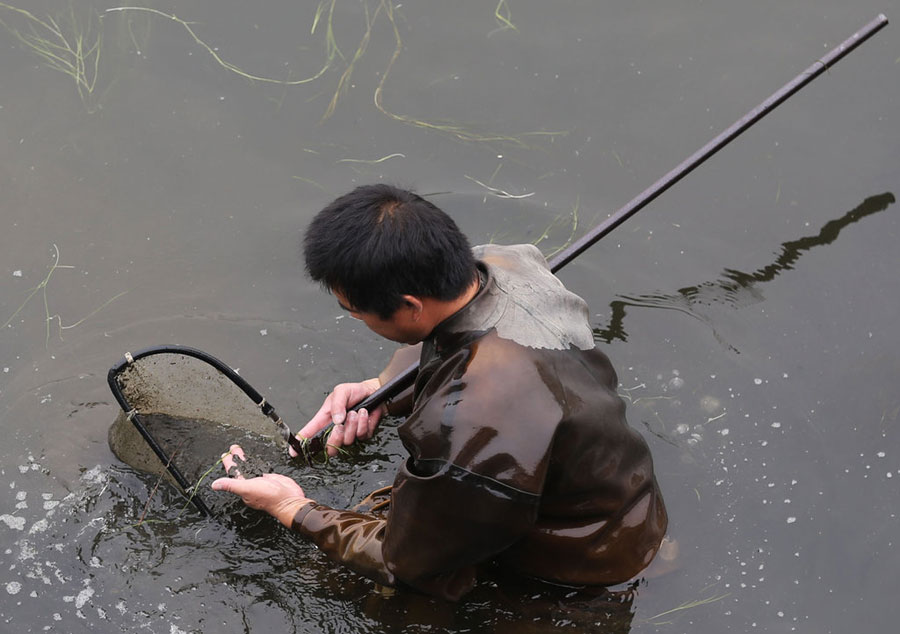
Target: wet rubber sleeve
{"points": [[353, 539], [440, 528]]}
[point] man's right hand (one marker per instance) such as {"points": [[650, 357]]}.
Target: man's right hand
{"points": [[348, 426]]}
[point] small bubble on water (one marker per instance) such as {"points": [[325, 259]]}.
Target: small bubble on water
{"points": [[791, 520], [758, 381]]}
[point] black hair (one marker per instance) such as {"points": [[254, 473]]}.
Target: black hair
{"points": [[380, 242]]}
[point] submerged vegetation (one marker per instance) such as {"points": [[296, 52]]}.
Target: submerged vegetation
{"points": [[50, 318], [72, 44], [66, 42], [687, 605]]}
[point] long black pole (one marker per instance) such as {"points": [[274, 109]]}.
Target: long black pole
{"points": [[402, 381], [724, 138]]}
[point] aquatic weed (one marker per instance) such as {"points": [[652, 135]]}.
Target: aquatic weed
{"points": [[687, 605], [42, 286], [66, 43], [222, 62]]}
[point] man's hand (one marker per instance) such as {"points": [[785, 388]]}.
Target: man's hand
{"points": [[348, 427], [277, 495]]}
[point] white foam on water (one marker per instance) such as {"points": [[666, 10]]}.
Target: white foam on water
{"points": [[16, 523], [81, 599], [13, 587], [27, 550], [39, 526]]}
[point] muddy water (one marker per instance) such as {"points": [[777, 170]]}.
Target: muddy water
{"points": [[750, 310]]}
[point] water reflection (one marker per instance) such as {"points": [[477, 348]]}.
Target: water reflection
{"points": [[735, 289], [508, 605]]}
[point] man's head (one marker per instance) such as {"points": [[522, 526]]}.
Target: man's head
{"points": [[379, 245]]}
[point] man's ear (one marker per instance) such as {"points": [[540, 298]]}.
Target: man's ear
{"points": [[414, 305]]}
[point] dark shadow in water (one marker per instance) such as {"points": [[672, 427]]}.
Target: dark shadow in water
{"points": [[500, 604], [734, 289]]}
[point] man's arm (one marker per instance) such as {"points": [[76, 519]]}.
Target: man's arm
{"points": [[439, 529]]}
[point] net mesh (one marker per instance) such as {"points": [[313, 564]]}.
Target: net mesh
{"points": [[180, 413]]}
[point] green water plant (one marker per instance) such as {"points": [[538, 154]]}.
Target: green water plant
{"points": [[50, 318], [687, 605], [323, 23], [331, 46], [571, 219], [460, 132], [504, 18], [66, 43]]}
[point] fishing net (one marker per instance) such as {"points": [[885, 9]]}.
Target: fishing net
{"points": [[181, 409]]}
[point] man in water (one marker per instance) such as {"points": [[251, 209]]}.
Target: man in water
{"points": [[519, 452]]}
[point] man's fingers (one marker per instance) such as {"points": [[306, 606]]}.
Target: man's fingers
{"points": [[318, 422], [231, 485], [340, 399], [351, 427], [371, 421], [334, 411], [362, 424], [228, 460], [230, 463], [335, 440]]}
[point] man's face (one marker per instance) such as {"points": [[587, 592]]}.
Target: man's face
{"points": [[400, 327]]}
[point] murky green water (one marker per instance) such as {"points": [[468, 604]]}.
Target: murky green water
{"points": [[156, 194]]}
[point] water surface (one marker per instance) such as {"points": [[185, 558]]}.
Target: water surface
{"points": [[749, 311]]}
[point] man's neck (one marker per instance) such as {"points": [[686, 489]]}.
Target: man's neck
{"points": [[437, 311]]}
